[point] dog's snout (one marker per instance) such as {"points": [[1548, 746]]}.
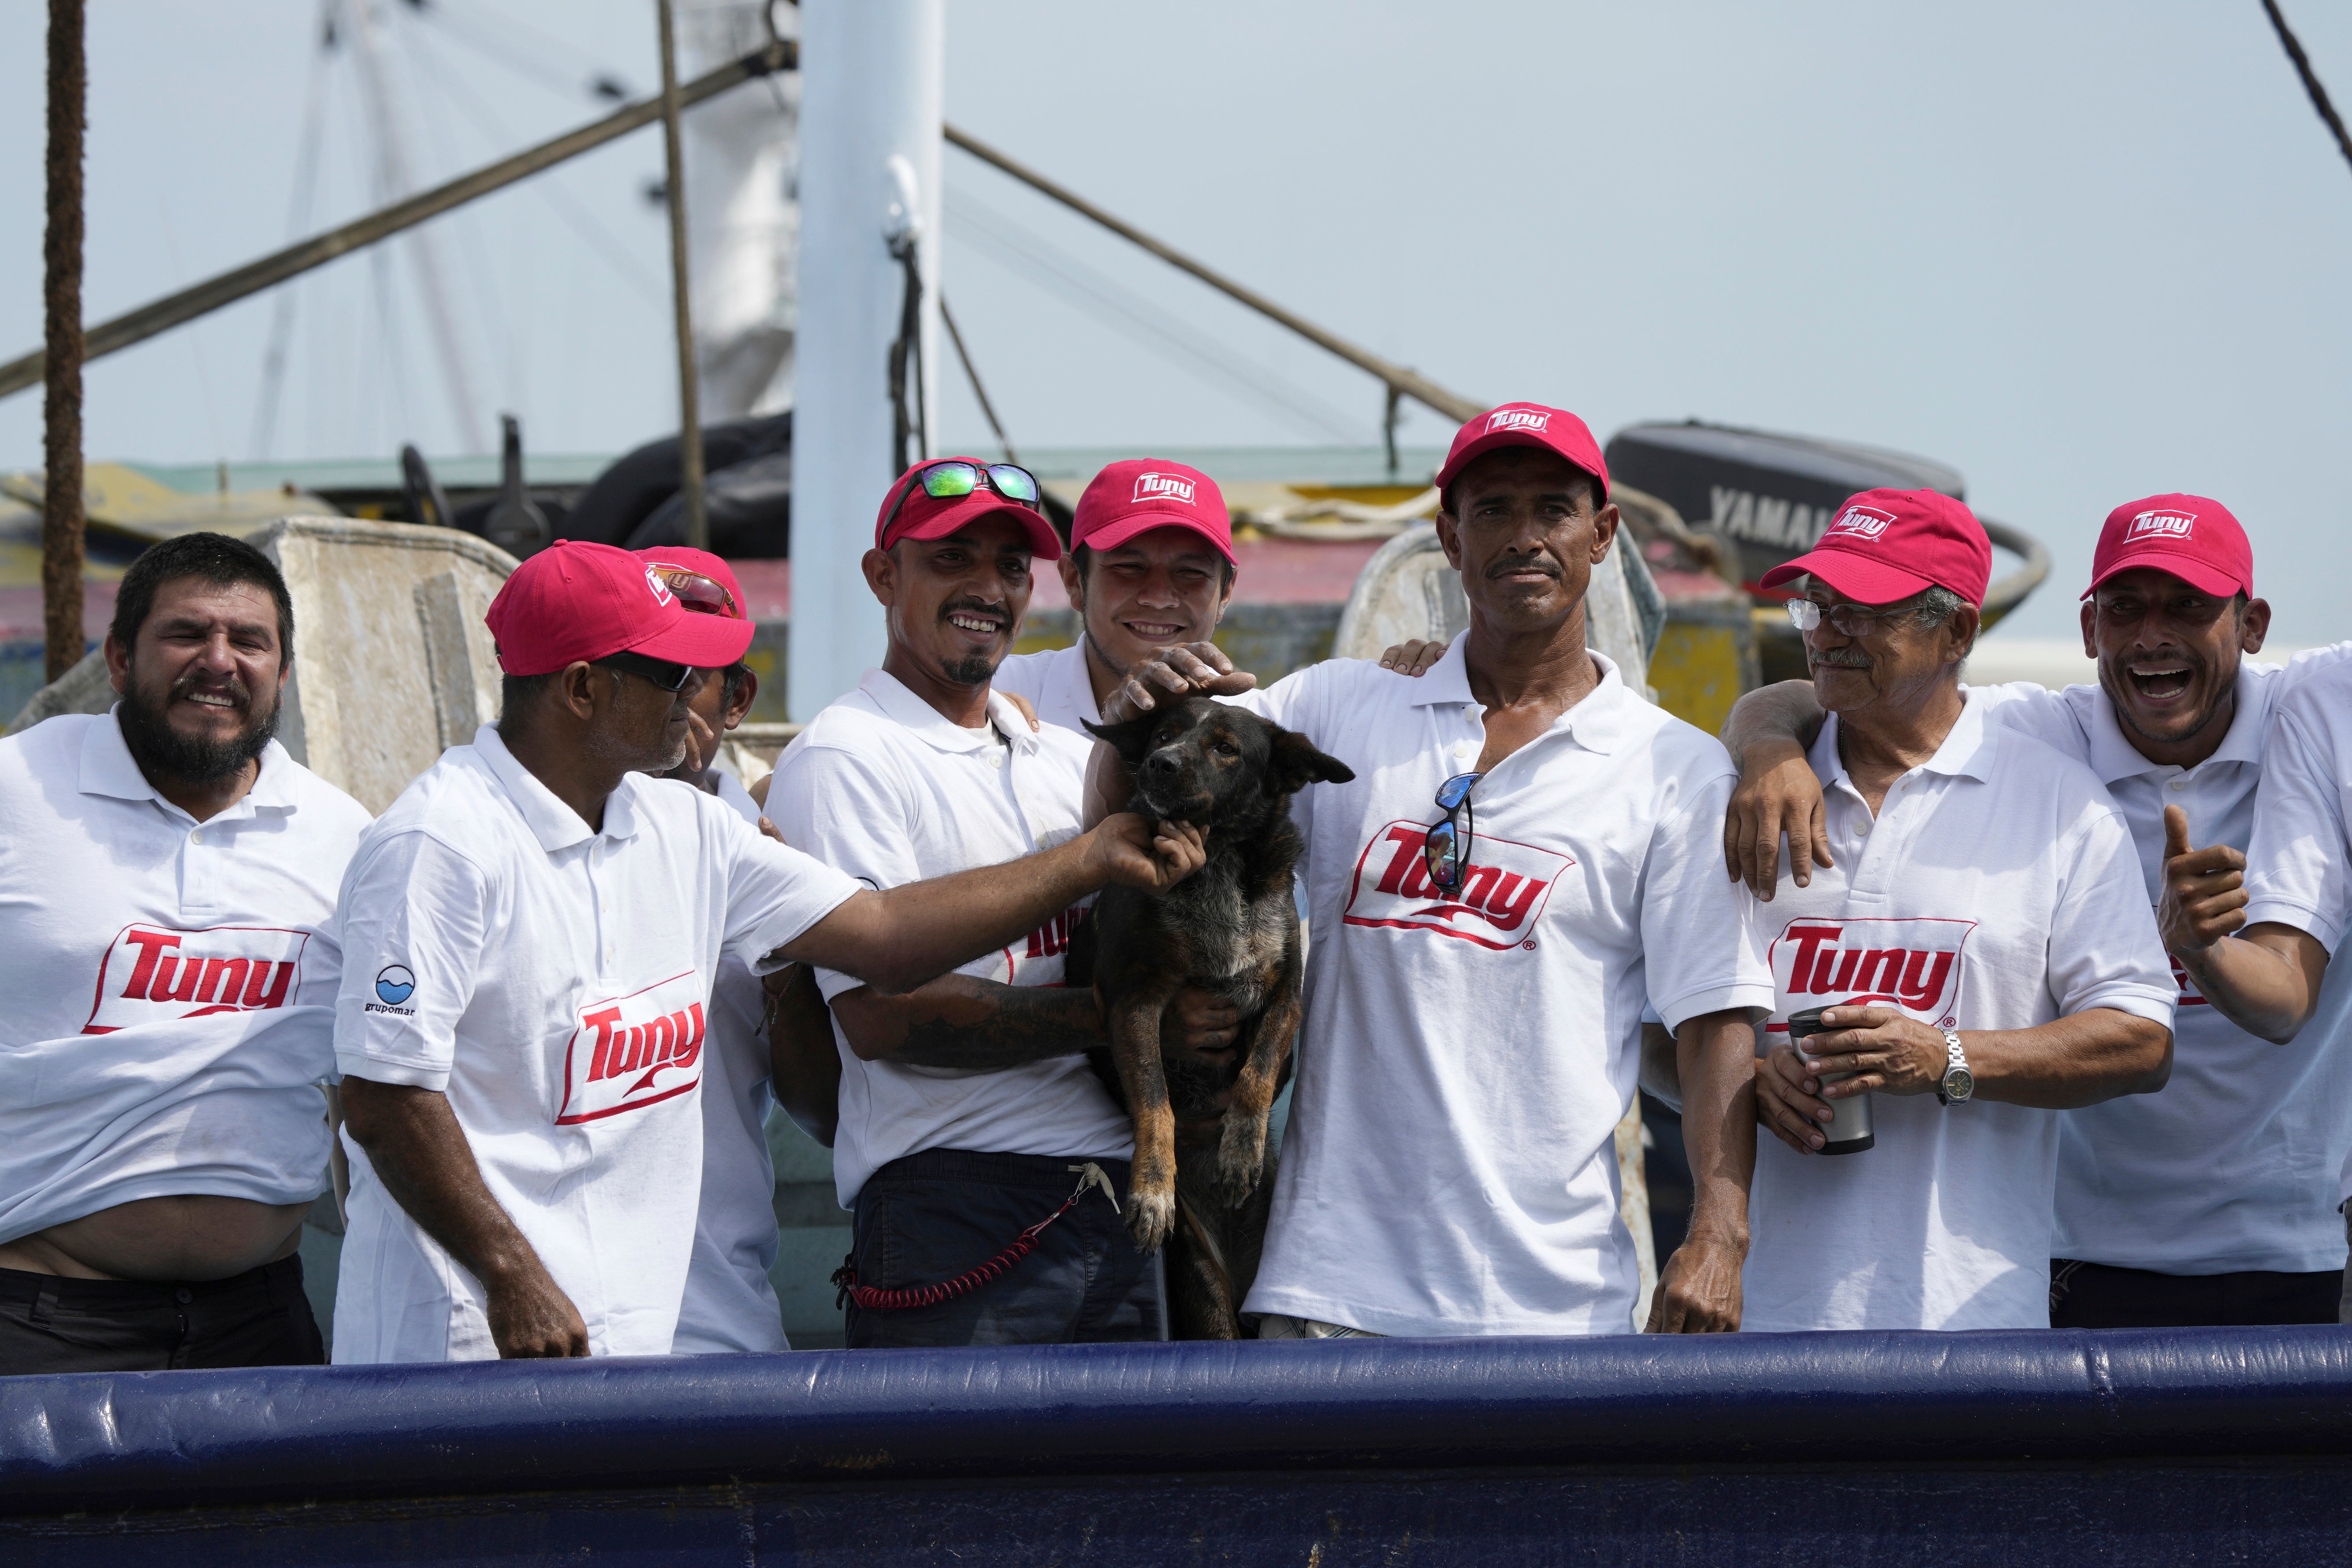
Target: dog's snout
{"points": [[1161, 766]]}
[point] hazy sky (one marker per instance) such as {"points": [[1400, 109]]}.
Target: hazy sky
{"points": [[2082, 253]]}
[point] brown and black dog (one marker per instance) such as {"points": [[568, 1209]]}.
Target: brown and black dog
{"points": [[1231, 928]]}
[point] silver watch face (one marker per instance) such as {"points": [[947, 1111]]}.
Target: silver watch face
{"points": [[1960, 1084]]}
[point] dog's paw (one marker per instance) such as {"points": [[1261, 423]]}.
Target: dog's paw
{"points": [[1151, 1215], [1241, 1160]]}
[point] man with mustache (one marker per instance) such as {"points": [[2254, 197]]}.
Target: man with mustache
{"points": [[530, 935], [1980, 942], [1516, 866], [968, 1115], [167, 878], [2208, 1203]]}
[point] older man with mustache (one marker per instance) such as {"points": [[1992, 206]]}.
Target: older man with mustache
{"points": [[2212, 1202], [1978, 933], [167, 878]]}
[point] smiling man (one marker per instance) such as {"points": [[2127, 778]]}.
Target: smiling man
{"points": [[968, 1114], [530, 935], [166, 875], [1520, 858], [2212, 1202], [1151, 566]]}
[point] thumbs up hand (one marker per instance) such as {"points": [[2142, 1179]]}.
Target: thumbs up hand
{"points": [[2204, 890]]}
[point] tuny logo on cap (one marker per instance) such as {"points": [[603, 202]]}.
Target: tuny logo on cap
{"points": [[2160, 525], [1517, 420], [1163, 487], [1860, 522], [660, 588]]}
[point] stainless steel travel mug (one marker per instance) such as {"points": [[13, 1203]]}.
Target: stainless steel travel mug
{"points": [[1848, 1132]]}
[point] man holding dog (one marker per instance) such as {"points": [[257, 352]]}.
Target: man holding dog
{"points": [[2212, 1202], [530, 935], [1518, 862], [1982, 951], [984, 1162]]}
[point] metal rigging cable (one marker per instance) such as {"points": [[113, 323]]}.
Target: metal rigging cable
{"points": [[2310, 80]]}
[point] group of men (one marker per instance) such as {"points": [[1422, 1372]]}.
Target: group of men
{"points": [[555, 992]]}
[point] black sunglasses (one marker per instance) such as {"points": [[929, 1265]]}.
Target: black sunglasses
{"points": [[669, 677], [1446, 855], [947, 480]]}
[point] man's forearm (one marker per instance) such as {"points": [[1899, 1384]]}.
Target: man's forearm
{"points": [[2098, 1054], [2264, 979], [1715, 1057], [1787, 711], [420, 1153], [897, 939], [803, 1064], [978, 1026]]}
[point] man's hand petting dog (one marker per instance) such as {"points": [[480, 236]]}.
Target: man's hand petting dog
{"points": [[1193, 669], [1128, 851]]}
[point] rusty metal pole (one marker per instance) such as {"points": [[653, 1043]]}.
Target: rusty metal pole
{"points": [[689, 414], [61, 516]]}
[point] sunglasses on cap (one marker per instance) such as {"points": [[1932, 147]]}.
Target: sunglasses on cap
{"points": [[700, 594], [949, 480], [662, 672], [1447, 853]]}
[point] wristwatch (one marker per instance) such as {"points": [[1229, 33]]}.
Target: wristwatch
{"points": [[1959, 1085]]}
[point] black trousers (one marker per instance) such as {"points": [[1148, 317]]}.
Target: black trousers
{"points": [[258, 1318], [2101, 1295], [928, 1217]]}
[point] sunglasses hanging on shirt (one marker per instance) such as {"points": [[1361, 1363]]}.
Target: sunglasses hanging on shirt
{"points": [[1446, 855]]}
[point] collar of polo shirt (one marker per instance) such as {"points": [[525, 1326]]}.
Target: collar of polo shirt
{"points": [[904, 708], [108, 768], [2111, 755], [1968, 752], [1596, 724], [555, 824]]}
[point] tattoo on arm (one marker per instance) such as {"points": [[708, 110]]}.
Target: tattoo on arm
{"points": [[1016, 1025]]}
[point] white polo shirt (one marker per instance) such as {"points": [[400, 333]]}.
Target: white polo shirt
{"points": [[2234, 1167], [555, 982], [2296, 872], [1054, 683], [198, 950], [1997, 888], [883, 786], [1450, 1167], [730, 1303]]}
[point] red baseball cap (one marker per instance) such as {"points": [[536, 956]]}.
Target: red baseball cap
{"points": [[1885, 545], [1136, 497], [679, 566], [575, 601], [935, 517], [2194, 538], [1525, 424]]}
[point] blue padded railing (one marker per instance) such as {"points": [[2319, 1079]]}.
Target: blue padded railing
{"points": [[106, 1441]]}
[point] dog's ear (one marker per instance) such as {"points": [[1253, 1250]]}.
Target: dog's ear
{"points": [[1131, 739], [1294, 763]]}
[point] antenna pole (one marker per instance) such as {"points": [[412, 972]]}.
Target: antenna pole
{"points": [[61, 513], [689, 412]]}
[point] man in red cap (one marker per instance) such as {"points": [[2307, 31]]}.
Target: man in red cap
{"points": [[2210, 1202], [1976, 934], [530, 935], [1519, 861], [1151, 566], [968, 1113]]}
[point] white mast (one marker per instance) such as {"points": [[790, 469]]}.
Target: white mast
{"points": [[872, 74]]}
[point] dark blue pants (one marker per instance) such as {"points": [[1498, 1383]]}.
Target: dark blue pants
{"points": [[259, 1318], [931, 1216], [2103, 1296]]}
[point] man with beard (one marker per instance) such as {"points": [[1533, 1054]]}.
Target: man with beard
{"points": [[1151, 566], [968, 1115], [166, 879], [2208, 1202], [530, 935]]}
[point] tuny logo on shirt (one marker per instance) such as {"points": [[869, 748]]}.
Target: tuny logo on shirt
{"points": [[1910, 964], [633, 1051], [1860, 522], [1502, 896], [152, 972], [1517, 420], [2160, 525], [1163, 487], [1053, 938]]}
